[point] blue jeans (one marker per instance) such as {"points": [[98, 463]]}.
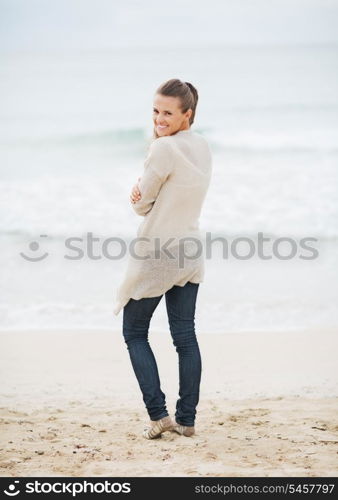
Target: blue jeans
{"points": [[180, 303]]}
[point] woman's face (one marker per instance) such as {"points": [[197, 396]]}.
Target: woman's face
{"points": [[167, 115]]}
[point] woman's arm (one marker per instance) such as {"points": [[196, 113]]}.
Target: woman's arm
{"points": [[149, 188], [135, 194], [157, 168]]}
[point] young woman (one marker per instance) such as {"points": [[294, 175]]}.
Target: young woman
{"points": [[167, 256]]}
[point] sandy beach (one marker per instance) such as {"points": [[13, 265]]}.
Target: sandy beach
{"points": [[79, 86], [70, 406]]}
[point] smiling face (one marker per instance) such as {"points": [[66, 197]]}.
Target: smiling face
{"points": [[168, 117]]}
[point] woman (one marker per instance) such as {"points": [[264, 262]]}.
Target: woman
{"points": [[166, 258]]}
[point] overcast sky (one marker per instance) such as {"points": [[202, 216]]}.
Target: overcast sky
{"points": [[59, 24]]}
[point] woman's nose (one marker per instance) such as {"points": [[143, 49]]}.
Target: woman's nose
{"points": [[160, 119]]}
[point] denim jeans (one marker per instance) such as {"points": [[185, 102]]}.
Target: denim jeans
{"points": [[180, 303]]}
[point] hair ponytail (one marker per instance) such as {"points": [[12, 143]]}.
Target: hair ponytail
{"points": [[194, 92]]}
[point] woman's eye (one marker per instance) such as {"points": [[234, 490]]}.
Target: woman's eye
{"points": [[166, 112]]}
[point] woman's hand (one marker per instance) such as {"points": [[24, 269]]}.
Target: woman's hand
{"points": [[135, 192]]}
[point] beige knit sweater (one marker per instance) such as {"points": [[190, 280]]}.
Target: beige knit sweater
{"points": [[168, 249]]}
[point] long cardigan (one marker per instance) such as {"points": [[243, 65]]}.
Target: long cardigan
{"points": [[168, 249]]}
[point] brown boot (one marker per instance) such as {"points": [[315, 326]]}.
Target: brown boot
{"points": [[184, 430], [157, 427]]}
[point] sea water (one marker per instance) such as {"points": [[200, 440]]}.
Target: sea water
{"points": [[74, 131]]}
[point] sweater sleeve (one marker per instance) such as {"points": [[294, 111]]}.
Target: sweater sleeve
{"points": [[157, 168]]}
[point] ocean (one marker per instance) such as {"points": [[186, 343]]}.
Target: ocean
{"points": [[74, 130]]}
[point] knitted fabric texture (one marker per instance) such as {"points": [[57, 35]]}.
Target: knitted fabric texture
{"points": [[169, 246]]}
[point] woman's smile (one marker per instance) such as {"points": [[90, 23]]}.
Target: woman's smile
{"points": [[168, 108]]}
